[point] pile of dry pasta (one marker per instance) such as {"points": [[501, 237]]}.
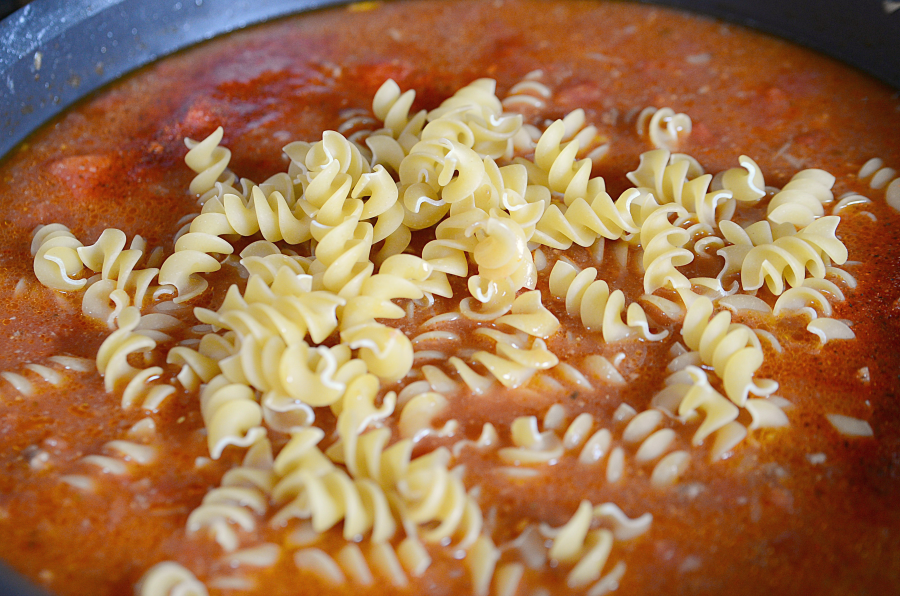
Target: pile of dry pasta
{"points": [[464, 205]]}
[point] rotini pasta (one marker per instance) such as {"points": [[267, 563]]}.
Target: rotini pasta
{"points": [[527, 93], [170, 579], [597, 307], [238, 501], [802, 200], [664, 128], [310, 487], [575, 543], [664, 251], [209, 160], [392, 106], [789, 258], [733, 350]]}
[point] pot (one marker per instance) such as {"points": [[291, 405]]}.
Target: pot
{"points": [[55, 52]]}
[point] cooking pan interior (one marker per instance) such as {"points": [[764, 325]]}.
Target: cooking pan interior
{"points": [[54, 52]]}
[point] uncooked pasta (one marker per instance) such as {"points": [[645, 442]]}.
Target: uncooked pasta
{"points": [[264, 365]]}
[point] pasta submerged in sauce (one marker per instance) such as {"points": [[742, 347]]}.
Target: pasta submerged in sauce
{"points": [[596, 297]]}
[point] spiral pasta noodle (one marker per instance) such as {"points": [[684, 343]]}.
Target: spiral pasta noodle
{"points": [[531, 446], [417, 417], [447, 252], [474, 116], [209, 160], [112, 357], [508, 191], [399, 276], [584, 222], [56, 259], [802, 200], [121, 458], [502, 252], [231, 414], [120, 280], [392, 107], [505, 265], [333, 167], [513, 366], [342, 257], [597, 307], [743, 240], [529, 315], [192, 255], [565, 175], [664, 128], [357, 122], [170, 579], [310, 487], [265, 259], [732, 350], [25, 385], [669, 179], [59, 256], [643, 443], [386, 351], [448, 167], [380, 559], [588, 550], [746, 182], [664, 251], [143, 389], [434, 498], [718, 412], [313, 375], [238, 500], [358, 409], [426, 492], [529, 92], [367, 455], [789, 258], [809, 298], [590, 141], [287, 308]]}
